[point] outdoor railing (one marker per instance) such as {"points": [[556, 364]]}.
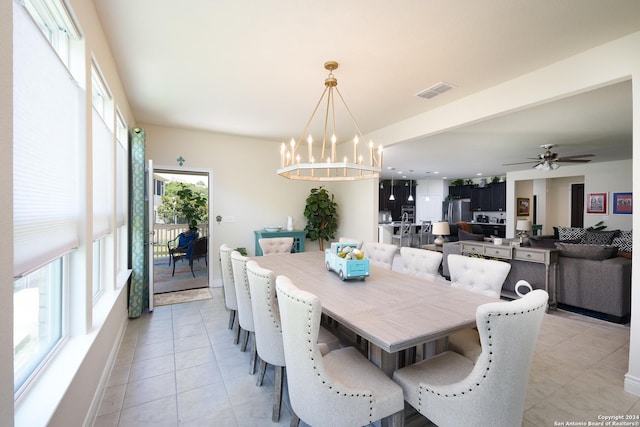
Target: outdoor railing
{"points": [[163, 233]]}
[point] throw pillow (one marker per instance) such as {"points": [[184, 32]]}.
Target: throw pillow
{"points": [[463, 235], [571, 233], [595, 252], [598, 237], [539, 242], [623, 241]]}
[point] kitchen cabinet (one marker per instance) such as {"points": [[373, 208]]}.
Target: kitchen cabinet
{"points": [[498, 230], [401, 190], [461, 191], [490, 198]]}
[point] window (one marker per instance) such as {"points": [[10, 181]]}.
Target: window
{"points": [[122, 192], [46, 189], [37, 318], [159, 188]]}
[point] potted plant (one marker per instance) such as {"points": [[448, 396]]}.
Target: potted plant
{"points": [[321, 212]]}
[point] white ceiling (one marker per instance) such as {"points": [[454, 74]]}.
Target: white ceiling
{"points": [[255, 68]]}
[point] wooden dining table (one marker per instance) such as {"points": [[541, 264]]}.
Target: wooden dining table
{"points": [[393, 311]]}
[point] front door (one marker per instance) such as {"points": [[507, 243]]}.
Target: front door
{"points": [[577, 205]]}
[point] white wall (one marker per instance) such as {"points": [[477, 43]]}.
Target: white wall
{"points": [[245, 186]]}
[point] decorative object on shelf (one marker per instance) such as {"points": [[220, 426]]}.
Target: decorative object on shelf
{"points": [[597, 203], [289, 223], [623, 203], [321, 212], [327, 167], [523, 206], [523, 227], [273, 228], [440, 229]]}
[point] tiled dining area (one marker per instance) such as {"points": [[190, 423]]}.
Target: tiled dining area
{"points": [[179, 367]]}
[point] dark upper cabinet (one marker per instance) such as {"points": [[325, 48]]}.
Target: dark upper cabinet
{"points": [[490, 198], [499, 196], [461, 191]]}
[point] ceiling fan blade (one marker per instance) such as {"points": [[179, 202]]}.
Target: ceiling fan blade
{"points": [[521, 163], [573, 157], [565, 160]]}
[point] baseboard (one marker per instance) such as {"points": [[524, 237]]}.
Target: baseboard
{"points": [[632, 384]]}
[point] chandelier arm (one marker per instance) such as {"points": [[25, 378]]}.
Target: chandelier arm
{"points": [[350, 115], [311, 118]]}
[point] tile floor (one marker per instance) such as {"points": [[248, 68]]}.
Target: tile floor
{"points": [[178, 366]]}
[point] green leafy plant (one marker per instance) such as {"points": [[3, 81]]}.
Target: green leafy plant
{"points": [[243, 251], [184, 204], [457, 182], [321, 212]]}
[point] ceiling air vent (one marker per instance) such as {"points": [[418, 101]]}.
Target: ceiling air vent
{"points": [[435, 90]]}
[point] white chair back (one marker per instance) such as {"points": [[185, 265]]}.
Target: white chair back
{"points": [[230, 299], [380, 254], [340, 388], [420, 262], [479, 275], [276, 245], [350, 240], [266, 314], [449, 389], [245, 311]]}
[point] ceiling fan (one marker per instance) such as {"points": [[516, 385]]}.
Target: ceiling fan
{"points": [[549, 160]]}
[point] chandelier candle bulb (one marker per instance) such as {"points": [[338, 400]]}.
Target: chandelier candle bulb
{"points": [[355, 149], [370, 153]]}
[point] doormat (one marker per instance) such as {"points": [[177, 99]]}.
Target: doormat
{"points": [[181, 296]]}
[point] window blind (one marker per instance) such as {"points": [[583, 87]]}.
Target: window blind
{"points": [[103, 170], [48, 122]]}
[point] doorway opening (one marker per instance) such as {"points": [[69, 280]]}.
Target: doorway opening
{"points": [[577, 205], [180, 230]]}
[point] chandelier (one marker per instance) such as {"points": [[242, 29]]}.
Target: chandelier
{"points": [[298, 163]]}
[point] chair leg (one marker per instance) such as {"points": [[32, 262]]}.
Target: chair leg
{"points": [[261, 371], [174, 268], [237, 331], [254, 353], [245, 340], [232, 318], [294, 420], [277, 393], [396, 419], [191, 265]]}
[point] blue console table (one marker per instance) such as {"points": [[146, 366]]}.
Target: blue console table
{"points": [[298, 238]]}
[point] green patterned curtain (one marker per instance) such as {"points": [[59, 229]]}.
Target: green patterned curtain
{"points": [[139, 283]]}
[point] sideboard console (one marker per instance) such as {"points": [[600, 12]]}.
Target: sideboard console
{"points": [[547, 257]]}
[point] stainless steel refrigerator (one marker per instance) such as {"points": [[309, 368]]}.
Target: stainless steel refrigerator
{"points": [[456, 210]]}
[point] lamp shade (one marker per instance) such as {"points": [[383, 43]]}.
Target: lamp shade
{"points": [[440, 229], [523, 225]]}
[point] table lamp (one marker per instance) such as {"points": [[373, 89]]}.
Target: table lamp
{"points": [[523, 226], [440, 229]]}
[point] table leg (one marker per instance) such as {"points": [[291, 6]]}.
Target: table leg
{"points": [[387, 362]]}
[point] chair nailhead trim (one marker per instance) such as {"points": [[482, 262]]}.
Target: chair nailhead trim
{"points": [[318, 373], [422, 387]]}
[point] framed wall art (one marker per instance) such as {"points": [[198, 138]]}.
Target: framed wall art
{"points": [[623, 203], [523, 206], [597, 203]]}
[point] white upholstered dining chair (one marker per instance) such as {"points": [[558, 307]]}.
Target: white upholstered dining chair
{"points": [[268, 333], [380, 254], [420, 262], [450, 390], [276, 245], [483, 276], [339, 388], [245, 311], [229, 287]]}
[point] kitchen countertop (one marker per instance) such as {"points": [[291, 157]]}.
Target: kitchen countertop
{"points": [[487, 223]]}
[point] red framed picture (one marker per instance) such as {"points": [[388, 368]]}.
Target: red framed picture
{"points": [[623, 203], [597, 203]]}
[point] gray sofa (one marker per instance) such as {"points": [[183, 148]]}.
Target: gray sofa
{"points": [[600, 286]]}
